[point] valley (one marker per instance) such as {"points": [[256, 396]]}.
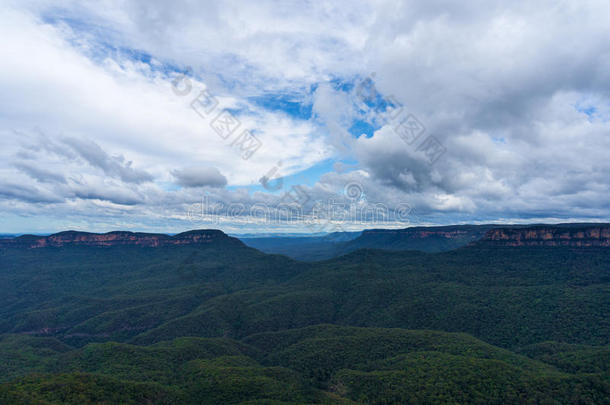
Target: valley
{"points": [[200, 317]]}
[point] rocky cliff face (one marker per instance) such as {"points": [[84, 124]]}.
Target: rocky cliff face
{"points": [[73, 238], [426, 239], [448, 232], [444, 238], [586, 236], [443, 234]]}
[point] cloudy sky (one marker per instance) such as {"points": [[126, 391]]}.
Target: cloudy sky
{"points": [[302, 116]]}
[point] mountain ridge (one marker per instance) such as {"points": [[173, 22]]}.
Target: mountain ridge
{"points": [[574, 235], [429, 239], [118, 238]]}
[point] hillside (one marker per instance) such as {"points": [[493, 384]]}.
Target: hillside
{"points": [[202, 318], [426, 239], [323, 364]]}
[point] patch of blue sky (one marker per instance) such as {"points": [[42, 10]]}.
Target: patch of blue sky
{"points": [[279, 184], [342, 84], [100, 48], [242, 110], [362, 127], [289, 104], [75, 24], [368, 104], [168, 186], [372, 99], [594, 111], [363, 92], [587, 109]]}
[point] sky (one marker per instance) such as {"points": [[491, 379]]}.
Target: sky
{"points": [[302, 116]]}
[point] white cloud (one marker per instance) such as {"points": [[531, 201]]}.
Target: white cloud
{"points": [[517, 92]]}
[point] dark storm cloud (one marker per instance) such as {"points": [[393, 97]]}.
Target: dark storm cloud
{"points": [[199, 177]]}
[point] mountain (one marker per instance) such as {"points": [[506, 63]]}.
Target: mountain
{"points": [[572, 235], [434, 239], [422, 238], [200, 317], [307, 248], [119, 238]]}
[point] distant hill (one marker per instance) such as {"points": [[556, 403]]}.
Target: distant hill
{"points": [[422, 238], [311, 248], [434, 239], [118, 238], [307, 248]]}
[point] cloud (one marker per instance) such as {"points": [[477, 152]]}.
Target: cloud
{"points": [[113, 166], [27, 193], [74, 83], [199, 177], [106, 192], [40, 174], [518, 93]]}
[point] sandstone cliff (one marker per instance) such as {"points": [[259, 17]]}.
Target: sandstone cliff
{"points": [[119, 238], [585, 235]]}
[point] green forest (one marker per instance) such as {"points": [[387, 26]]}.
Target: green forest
{"points": [[223, 323]]}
